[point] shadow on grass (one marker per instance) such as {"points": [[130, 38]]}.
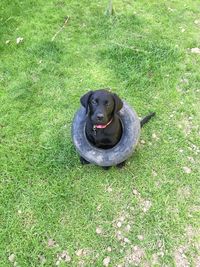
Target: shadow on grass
{"points": [[59, 154], [30, 83]]}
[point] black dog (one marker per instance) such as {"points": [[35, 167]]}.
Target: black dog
{"points": [[103, 125]]}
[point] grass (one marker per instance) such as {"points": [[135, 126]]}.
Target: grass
{"points": [[49, 202]]}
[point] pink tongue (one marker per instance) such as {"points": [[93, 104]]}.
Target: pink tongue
{"points": [[100, 126]]}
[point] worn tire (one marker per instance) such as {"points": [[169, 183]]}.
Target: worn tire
{"points": [[113, 156]]}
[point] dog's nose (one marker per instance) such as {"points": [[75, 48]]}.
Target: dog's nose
{"points": [[100, 117]]}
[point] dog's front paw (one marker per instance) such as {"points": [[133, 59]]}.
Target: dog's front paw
{"points": [[121, 165], [84, 161], [106, 167]]}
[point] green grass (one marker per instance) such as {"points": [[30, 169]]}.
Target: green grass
{"points": [[143, 54]]}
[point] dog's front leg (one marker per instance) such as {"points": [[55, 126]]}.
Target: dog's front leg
{"points": [[121, 165], [106, 167], [84, 161]]}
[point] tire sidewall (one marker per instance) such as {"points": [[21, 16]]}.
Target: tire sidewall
{"points": [[113, 156]]}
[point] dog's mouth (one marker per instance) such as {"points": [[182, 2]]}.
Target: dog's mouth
{"points": [[101, 121], [102, 126]]}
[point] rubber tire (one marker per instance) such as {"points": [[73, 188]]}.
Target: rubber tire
{"points": [[113, 156]]}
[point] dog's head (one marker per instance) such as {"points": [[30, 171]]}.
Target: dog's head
{"points": [[101, 105]]}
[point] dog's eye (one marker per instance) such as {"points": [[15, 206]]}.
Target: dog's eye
{"points": [[107, 104], [93, 102]]}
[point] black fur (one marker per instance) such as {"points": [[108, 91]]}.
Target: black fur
{"points": [[102, 107], [147, 118]]}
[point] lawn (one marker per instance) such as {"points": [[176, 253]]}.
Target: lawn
{"points": [[53, 210]]}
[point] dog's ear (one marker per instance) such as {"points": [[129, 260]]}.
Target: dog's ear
{"points": [[118, 103], [85, 100]]}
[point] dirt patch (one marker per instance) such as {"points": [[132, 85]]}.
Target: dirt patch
{"points": [[99, 231], [187, 170], [191, 233], [155, 259], [63, 257], [51, 243], [12, 258], [135, 257], [197, 262], [122, 227], [180, 257], [186, 125], [42, 259], [195, 50], [144, 204], [193, 236], [195, 208], [184, 192], [82, 252], [106, 261]]}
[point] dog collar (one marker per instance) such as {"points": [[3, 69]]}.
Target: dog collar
{"points": [[101, 126]]}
